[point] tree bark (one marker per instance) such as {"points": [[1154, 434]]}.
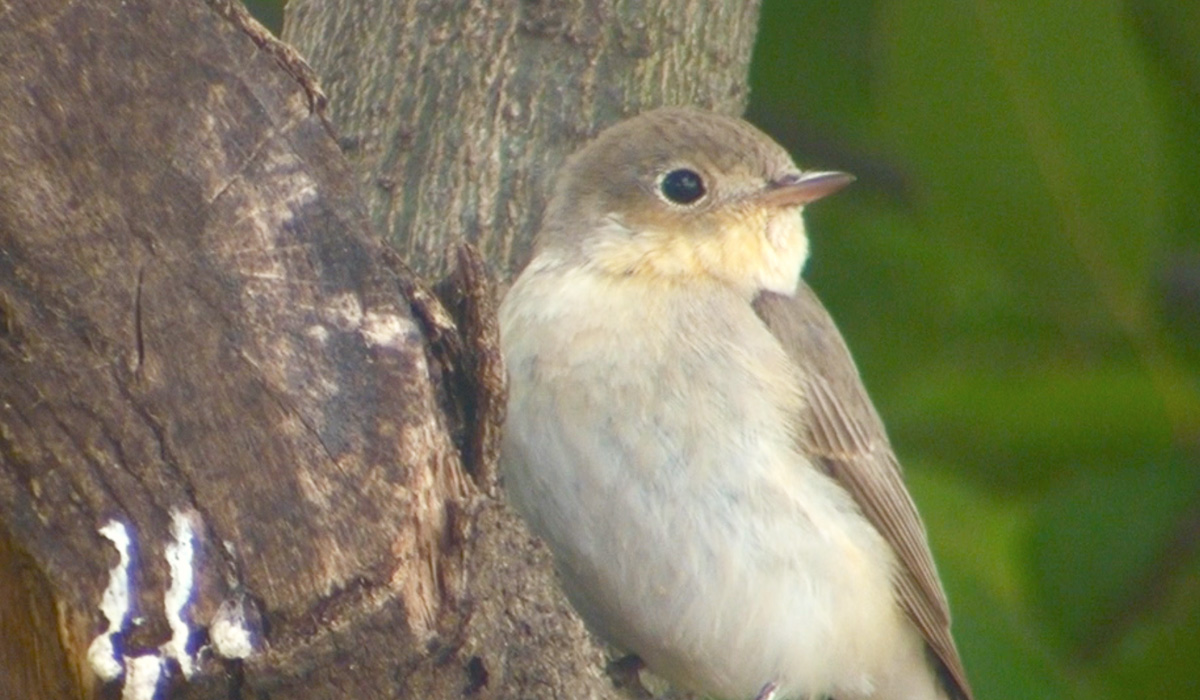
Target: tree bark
{"points": [[207, 352]]}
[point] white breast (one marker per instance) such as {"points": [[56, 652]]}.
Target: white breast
{"points": [[651, 442]]}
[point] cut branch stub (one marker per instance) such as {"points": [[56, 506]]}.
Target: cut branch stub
{"points": [[215, 402]]}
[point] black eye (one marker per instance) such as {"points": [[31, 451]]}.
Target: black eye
{"points": [[682, 186]]}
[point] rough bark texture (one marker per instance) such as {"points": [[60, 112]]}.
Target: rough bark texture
{"points": [[204, 347], [455, 114]]}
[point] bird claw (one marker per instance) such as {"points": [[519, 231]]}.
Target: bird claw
{"points": [[767, 692], [625, 674]]}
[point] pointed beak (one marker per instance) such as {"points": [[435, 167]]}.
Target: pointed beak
{"points": [[798, 190]]}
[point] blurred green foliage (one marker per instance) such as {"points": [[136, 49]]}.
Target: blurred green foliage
{"points": [[1018, 272], [269, 12]]}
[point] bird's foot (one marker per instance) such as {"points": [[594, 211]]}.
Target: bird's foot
{"points": [[767, 692], [625, 675]]}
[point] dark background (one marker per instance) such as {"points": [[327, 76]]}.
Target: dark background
{"points": [[1018, 272]]}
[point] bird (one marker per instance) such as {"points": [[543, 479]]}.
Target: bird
{"points": [[688, 432]]}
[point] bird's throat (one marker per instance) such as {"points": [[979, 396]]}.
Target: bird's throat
{"points": [[751, 253]]}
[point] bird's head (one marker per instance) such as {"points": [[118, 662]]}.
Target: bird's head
{"points": [[679, 194]]}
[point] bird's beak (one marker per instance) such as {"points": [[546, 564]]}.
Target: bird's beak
{"points": [[798, 190]]}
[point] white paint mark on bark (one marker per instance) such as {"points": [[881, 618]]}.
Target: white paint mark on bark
{"points": [[230, 634], [180, 555], [114, 604], [145, 672]]}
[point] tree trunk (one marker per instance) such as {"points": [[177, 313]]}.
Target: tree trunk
{"points": [[243, 449], [455, 113]]}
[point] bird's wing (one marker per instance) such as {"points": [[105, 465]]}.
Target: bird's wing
{"points": [[841, 428]]}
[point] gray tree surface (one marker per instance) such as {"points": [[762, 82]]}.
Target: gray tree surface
{"points": [[207, 350]]}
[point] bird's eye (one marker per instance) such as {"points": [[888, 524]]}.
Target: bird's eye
{"points": [[682, 186]]}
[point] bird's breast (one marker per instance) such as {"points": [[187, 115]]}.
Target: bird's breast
{"points": [[651, 440]]}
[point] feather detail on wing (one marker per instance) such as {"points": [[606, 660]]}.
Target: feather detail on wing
{"points": [[841, 428]]}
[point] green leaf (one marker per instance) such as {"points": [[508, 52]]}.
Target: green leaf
{"points": [[1102, 542]]}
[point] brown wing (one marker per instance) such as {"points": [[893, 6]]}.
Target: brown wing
{"points": [[841, 428]]}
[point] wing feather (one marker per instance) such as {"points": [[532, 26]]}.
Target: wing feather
{"points": [[842, 429]]}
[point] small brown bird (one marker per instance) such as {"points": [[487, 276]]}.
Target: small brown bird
{"points": [[689, 434]]}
